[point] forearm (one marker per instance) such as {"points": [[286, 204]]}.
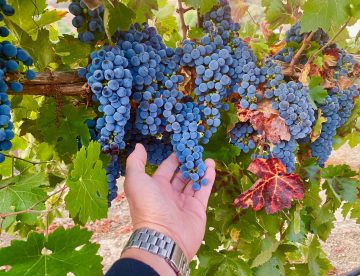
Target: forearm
{"points": [[156, 262]]}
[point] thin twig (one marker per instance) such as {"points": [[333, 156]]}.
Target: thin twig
{"points": [[27, 161], [180, 11], [31, 209], [252, 18], [304, 45], [311, 59]]}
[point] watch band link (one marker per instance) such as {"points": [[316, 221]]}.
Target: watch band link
{"points": [[161, 245]]}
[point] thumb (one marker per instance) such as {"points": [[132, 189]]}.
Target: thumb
{"points": [[136, 161]]}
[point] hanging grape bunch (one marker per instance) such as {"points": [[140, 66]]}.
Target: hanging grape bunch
{"points": [[14, 66], [89, 23], [141, 70]]}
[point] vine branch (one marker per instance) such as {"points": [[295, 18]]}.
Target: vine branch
{"points": [[31, 209], [304, 45], [26, 160], [55, 84], [180, 10], [311, 59]]}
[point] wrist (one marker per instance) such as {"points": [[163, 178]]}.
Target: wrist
{"points": [[156, 262], [167, 232]]}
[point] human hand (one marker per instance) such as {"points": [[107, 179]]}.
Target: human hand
{"points": [[166, 202]]}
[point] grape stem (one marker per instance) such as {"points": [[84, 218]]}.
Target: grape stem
{"points": [[31, 209], [311, 59], [181, 11], [304, 45], [25, 160]]}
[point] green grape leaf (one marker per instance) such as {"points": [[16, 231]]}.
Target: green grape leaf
{"points": [[353, 138], [62, 128], [278, 12], [331, 14], [33, 16], [166, 24], [316, 91], [219, 147], [72, 51], [317, 262], [144, 9], [203, 5], [21, 193], [40, 49], [62, 252], [341, 181], [117, 16], [272, 267], [196, 33], [214, 263], [355, 212], [265, 255], [87, 197]]}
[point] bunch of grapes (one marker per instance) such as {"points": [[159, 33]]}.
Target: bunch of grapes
{"points": [[285, 54], [292, 102], [241, 136], [336, 109], [344, 65], [285, 151], [294, 34], [167, 117], [14, 65], [89, 23], [185, 141]]}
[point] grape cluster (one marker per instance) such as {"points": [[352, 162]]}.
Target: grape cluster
{"points": [[294, 34], [241, 68], [89, 23], [111, 82], [344, 65], [185, 141], [285, 151], [336, 109], [14, 63], [285, 54], [241, 136], [292, 102]]}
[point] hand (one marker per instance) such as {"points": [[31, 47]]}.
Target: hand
{"points": [[166, 202]]}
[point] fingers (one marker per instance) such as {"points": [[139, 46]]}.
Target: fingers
{"points": [[167, 168], [204, 193], [136, 161], [179, 182]]}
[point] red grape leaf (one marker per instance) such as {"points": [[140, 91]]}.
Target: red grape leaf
{"points": [[266, 121], [274, 190]]}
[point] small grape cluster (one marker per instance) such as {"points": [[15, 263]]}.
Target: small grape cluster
{"points": [[241, 136], [285, 151], [336, 109], [185, 141], [285, 54], [89, 23], [11, 58], [344, 65], [292, 102]]}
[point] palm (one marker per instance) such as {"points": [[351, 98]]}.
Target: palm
{"points": [[165, 201]]}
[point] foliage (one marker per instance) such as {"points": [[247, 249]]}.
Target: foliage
{"points": [[52, 165]]}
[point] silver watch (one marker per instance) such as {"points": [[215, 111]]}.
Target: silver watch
{"points": [[161, 245]]}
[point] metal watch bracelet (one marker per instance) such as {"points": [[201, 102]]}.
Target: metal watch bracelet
{"points": [[161, 245]]}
